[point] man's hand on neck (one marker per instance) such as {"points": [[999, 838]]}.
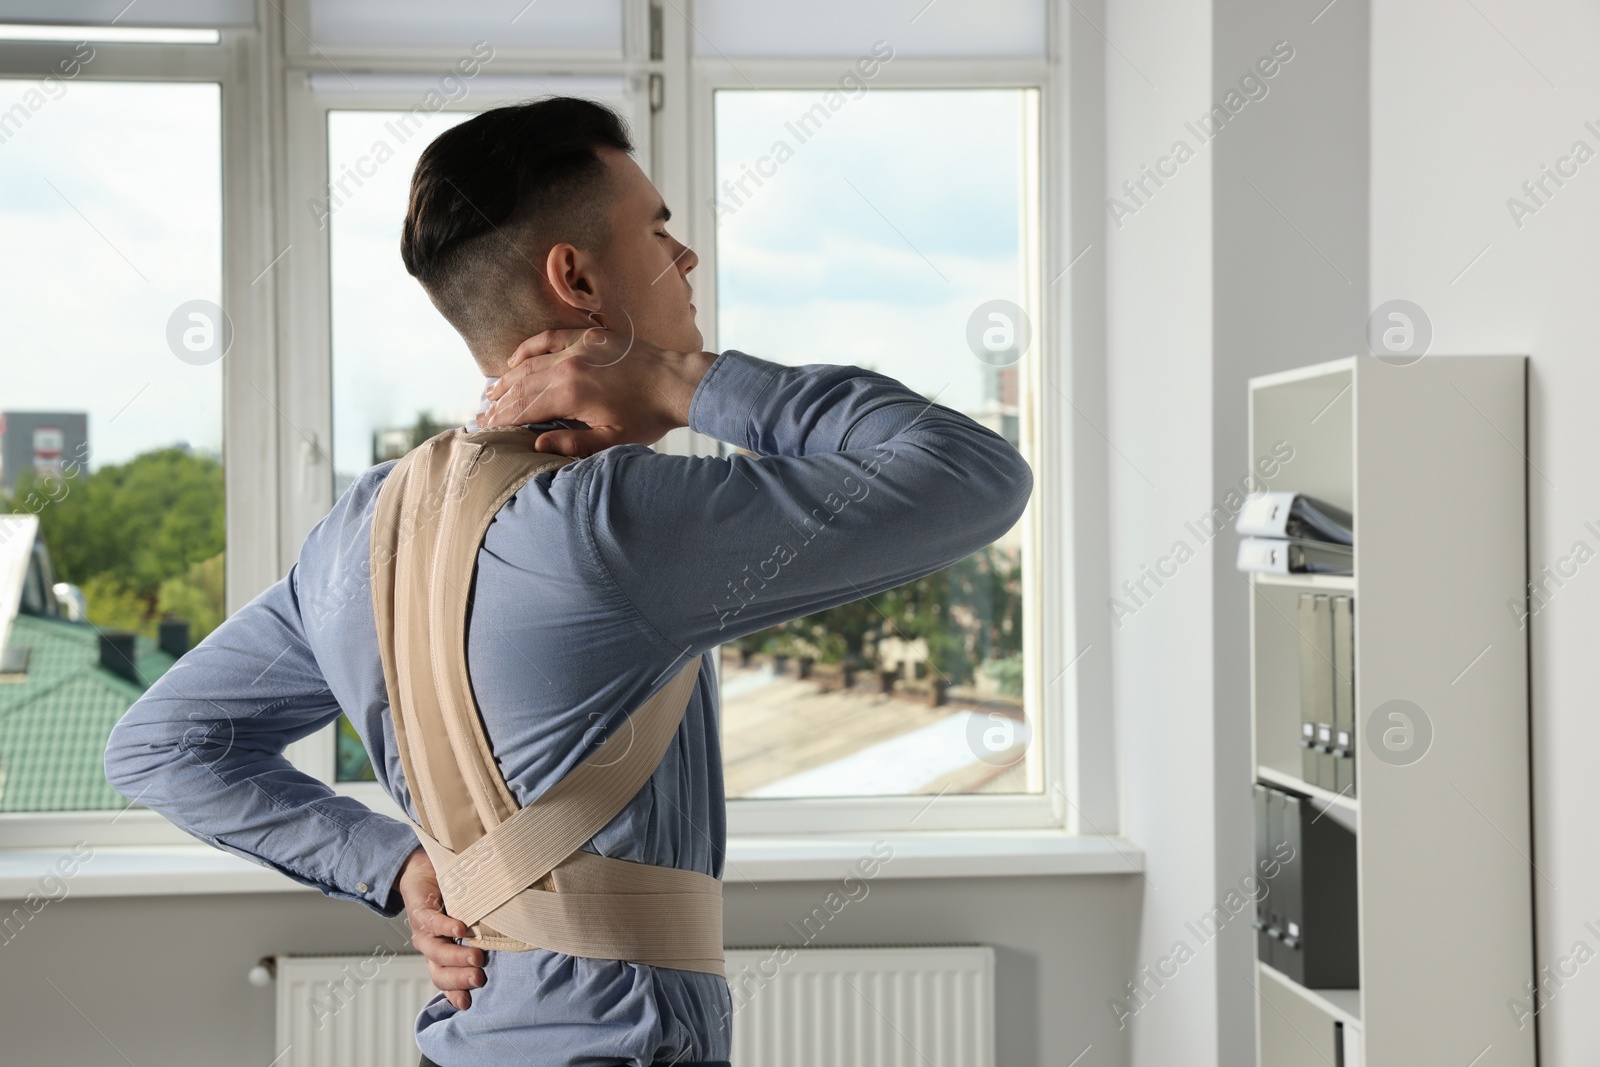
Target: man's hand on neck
{"points": [[626, 390]]}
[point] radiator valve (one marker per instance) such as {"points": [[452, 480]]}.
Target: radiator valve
{"points": [[265, 970]]}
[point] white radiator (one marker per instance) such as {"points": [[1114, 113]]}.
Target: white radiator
{"points": [[350, 1011], [839, 1007], [863, 1007]]}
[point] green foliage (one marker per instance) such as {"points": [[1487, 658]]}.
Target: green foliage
{"points": [[968, 614], [132, 534], [113, 606], [197, 596], [1007, 674], [353, 764]]}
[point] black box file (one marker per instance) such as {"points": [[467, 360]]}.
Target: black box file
{"points": [[1307, 918]]}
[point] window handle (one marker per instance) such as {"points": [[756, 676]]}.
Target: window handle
{"points": [[310, 459]]}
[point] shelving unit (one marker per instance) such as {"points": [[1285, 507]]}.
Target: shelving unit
{"points": [[1430, 458]]}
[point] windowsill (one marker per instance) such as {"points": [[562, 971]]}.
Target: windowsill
{"points": [[928, 854], [172, 870]]}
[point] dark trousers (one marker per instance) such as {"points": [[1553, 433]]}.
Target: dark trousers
{"points": [[700, 1063]]}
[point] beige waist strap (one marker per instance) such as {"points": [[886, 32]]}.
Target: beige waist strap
{"points": [[517, 875], [610, 909]]}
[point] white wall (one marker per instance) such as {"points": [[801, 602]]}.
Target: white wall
{"points": [[1158, 370], [1252, 258], [1378, 167], [162, 980], [1467, 104]]}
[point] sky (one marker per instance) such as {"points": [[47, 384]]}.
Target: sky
{"points": [[110, 218], [872, 244], [877, 239]]}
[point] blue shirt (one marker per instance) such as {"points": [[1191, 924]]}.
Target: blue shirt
{"points": [[595, 583]]}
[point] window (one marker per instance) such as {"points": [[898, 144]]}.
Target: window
{"points": [[861, 214], [889, 229], [110, 284], [890, 236]]}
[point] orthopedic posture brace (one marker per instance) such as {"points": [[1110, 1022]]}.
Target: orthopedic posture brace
{"points": [[518, 877]]}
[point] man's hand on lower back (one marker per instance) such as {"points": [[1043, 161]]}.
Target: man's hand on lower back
{"points": [[625, 390], [453, 968]]}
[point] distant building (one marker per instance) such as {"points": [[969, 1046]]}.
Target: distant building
{"points": [[999, 408], [40, 442], [1000, 412], [391, 443]]}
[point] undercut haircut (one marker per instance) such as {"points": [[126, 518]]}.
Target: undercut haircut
{"points": [[488, 200]]}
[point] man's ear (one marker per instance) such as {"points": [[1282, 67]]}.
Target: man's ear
{"points": [[571, 276]]}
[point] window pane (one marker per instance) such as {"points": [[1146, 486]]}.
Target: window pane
{"points": [[876, 235], [110, 272]]}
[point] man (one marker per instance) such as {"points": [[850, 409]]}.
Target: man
{"points": [[594, 583]]}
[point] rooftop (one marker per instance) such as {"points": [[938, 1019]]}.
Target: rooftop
{"points": [[55, 718]]}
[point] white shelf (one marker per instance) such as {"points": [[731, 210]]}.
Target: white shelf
{"points": [[1344, 1005], [1327, 798], [1334, 369], [1336, 583]]}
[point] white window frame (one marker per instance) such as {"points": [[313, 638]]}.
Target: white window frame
{"points": [[237, 63]]}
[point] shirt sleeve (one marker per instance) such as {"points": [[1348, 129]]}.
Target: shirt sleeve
{"points": [[859, 484], [204, 746]]}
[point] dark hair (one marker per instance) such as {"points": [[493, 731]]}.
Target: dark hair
{"points": [[489, 196]]}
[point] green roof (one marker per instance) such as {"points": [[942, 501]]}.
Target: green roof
{"points": [[54, 721]]}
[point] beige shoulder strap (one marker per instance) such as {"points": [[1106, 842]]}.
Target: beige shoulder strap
{"points": [[517, 875]]}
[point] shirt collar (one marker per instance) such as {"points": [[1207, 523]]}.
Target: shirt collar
{"points": [[483, 405]]}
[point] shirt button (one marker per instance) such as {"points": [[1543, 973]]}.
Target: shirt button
{"points": [[361, 887]]}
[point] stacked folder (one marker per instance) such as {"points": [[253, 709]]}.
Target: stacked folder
{"points": [[1327, 692], [1306, 910], [1292, 533]]}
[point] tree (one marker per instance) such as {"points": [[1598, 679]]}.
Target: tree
{"points": [[196, 596], [425, 428], [126, 529], [968, 613]]}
